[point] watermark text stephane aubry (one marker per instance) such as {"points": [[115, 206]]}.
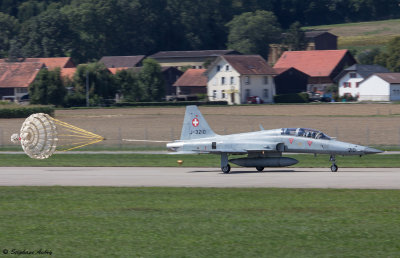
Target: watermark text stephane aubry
{"points": [[14, 251]]}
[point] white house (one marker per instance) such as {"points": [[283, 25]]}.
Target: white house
{"points": [[349, 79], [234, 78], [380, 87]]}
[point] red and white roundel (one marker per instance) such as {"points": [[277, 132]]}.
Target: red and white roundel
{"points": [[195, 122]]}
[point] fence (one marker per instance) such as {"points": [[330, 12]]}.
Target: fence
{"points": [[115, 138]]}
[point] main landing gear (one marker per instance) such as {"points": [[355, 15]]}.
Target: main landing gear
{"points": [[334, 167], [225, 167]]}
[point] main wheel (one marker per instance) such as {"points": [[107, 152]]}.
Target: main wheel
{"points": [[334, 168], [259, 169], [226, 169]]}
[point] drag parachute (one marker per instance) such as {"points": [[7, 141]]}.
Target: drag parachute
{"points": [[41, 135]]}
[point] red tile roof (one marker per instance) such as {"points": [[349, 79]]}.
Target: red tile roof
{"points": [[115, 70], [316, 63], [53, 62], [192, 77], [389, 77], [249, 64], [281, 70], [68, 72], [18, 75]]}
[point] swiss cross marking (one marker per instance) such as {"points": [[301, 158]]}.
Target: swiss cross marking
{"points": [[195, 122]]}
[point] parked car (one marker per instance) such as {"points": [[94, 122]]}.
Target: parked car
{"points": [[254, 100]]}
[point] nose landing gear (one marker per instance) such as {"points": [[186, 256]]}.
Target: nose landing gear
{"points": [[334, 167]]}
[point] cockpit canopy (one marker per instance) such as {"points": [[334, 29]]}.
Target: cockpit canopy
{"points": [[305, 132]]}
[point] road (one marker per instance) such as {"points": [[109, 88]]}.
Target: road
{"points": [[357, 178]]}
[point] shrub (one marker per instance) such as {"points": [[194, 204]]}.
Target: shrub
{"points": [[169, 103], [292, 98], [14, 111]]}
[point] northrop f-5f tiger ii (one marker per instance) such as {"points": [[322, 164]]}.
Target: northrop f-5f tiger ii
{"points": [[263, 148]]}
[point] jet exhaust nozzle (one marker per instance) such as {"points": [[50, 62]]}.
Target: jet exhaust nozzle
{"points": [[264, 162]]}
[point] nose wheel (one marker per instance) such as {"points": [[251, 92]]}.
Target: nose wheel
{"points": [[334, 167]]}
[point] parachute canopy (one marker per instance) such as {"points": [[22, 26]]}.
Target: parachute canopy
{"points": [[41, 135]]}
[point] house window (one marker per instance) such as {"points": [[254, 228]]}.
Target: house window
{"points": [[353, 75], [222, 80], [21, 90], [218, 68], [247, 80], [214, 94], [266, 93], [265, 79], [227, 68], [232, 80], [346, 85], [247, 93], [357, 84], [223, 94]]}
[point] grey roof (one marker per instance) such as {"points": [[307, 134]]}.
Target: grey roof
{"points": [[121, 61], [363, 70], [249, 64], [316, 33], [197, 53], [390, 77], [163, 69]]}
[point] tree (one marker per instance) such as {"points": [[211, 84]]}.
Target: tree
{"points": [[9, 27], [15, 52], [367, 57], [391, 57], [128, 83], [56, 90], [48, 35], [393, 50], [101, 82], [38, 89], [151, 81], [295, 37], [48, 88], [252, 32]]}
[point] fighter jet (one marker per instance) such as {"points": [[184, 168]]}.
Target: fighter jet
{"points": [[263, 148]]}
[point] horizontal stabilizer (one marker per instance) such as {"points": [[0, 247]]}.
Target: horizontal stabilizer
{"points": [[134, 140]]}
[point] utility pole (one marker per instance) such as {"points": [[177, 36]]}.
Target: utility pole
{"points": [[87, 88]]}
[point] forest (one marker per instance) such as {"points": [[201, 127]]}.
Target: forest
{"points": [[86, 30]]}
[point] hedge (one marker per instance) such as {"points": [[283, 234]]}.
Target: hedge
{"points": [[292, 98], [13, 111], [168, 103]]}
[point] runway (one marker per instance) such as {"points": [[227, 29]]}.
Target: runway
{"points": [[357, 178]]}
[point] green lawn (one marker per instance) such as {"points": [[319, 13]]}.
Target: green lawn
{"points": [[193, 222], [149, 160], [363, 34]]}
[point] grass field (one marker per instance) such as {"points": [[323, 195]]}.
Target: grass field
{"points": [[363, 34], [190, 222], [148, 160], [366, 124]]}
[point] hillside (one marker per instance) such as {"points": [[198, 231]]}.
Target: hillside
{"points": [[363, 34]]}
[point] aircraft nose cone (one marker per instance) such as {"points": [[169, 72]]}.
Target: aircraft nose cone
{"points": [[369, 150]]}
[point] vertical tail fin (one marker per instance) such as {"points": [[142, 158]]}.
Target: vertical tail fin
{"points": [[195, 126]]}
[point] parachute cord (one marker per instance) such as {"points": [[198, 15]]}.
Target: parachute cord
{"points": [[83, 145], [77, 129]]}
